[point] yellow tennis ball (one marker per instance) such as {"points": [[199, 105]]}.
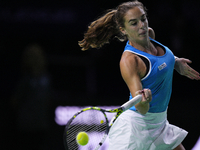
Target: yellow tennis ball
{"points": [[82, 138], [101, 121]]}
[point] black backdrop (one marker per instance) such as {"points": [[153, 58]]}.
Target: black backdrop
{"points": [[93, 77]]}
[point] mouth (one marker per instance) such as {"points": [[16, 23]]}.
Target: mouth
{"points": [[143, 33]]}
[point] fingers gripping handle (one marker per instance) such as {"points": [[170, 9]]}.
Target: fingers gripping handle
{"points": [[132, 102]]}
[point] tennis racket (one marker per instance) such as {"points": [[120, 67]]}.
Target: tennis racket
{"points": [[94, 122]]}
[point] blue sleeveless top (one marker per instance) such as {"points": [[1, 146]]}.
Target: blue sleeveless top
{"points": [[159, 77]]}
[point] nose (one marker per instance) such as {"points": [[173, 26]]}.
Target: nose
{"points": [[141, 23]]}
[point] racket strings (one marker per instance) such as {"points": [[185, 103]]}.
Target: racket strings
{"points": [[93, 122]]}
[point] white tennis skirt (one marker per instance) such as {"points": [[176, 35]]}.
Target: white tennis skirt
{"points": [[152, 131]]}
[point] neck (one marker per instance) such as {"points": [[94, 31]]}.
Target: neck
{"points": [[147, 46], [143, 46]]}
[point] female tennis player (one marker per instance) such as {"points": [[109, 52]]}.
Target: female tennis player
{"points": [[147, 68]]}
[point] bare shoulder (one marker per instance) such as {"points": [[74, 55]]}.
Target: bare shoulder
{"points": [[151, 33], [129, 60], [129, 63]]}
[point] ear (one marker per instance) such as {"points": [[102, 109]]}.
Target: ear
{"points": [[122, 30]]}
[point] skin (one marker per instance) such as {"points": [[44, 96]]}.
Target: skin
{"points": [[133, 68], [182, 67]]}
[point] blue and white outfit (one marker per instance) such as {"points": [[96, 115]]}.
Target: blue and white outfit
{"points": [[152, 131]]}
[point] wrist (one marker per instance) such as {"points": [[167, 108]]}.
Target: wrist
{"points": [[176, 65], [175, 58], [142, 108], [144, 102]]}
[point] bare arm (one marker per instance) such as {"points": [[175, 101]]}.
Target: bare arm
{"points": [[182, 67], [181, 64], [132, 69]]}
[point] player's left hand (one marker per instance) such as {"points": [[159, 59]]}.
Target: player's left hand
{"points": [[182, 67]]}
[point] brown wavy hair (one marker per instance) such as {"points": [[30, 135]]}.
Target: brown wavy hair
{"points": [[107, 26]]}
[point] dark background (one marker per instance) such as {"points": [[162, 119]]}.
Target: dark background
{"points": [[92, 77]]}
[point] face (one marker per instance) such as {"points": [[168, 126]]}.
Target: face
{"points": [[136, 25]]}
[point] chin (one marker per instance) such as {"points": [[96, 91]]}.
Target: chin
{"points": [[144, 38]]}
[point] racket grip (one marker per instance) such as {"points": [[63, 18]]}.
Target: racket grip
{"points": [[132, 102]]}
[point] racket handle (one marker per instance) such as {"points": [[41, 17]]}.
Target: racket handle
{"points": [[132, 102]]}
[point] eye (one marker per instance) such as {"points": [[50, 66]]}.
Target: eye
{"points": [[143, 19], [134, 24]]}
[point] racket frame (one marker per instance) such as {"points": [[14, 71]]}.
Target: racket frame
{"points": [[118, 111]]}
